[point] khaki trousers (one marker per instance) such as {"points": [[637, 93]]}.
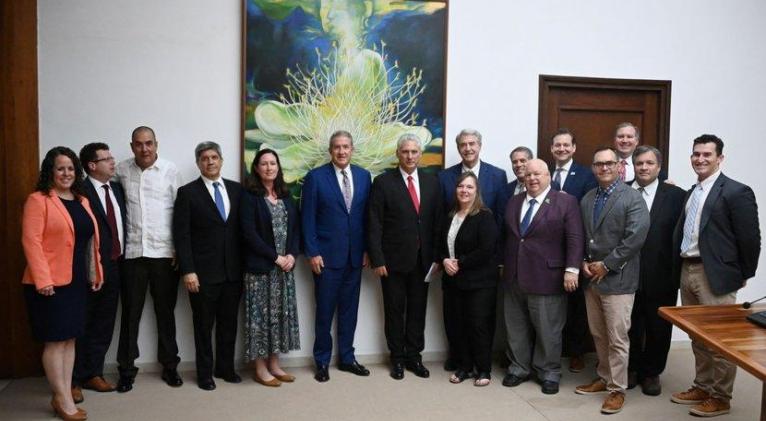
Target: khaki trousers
{"points": [[715, 375], [609, 321]]}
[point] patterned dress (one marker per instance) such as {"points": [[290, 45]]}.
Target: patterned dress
{"points": [[271, 316]]}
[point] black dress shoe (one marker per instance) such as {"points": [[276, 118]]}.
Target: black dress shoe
{"points": [[171, 377], [550, 387], [322, 375], [632, 379], [354, 368], [450, 365], [512, 380], [397, 371], [230, 378], [418, 369], [124, 384], [206, 384], [651, 386]]}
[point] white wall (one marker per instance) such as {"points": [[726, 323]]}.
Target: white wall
{"points": [[107, 67]]}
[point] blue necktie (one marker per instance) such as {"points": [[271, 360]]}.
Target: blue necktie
{"points": [[527, 217], [219, 200], [599, 206], [691, 218]]}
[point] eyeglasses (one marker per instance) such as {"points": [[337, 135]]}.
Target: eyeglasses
{"points": [[108, 159], [604, 164]]}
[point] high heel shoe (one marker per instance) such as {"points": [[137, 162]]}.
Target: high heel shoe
{"points": [[79, 415]]}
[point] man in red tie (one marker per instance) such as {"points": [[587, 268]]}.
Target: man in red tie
{"points": [[405, 212], [626, 136]]}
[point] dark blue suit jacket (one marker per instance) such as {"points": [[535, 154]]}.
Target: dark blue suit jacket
{"points": [[329, 229], [579, 181], [492, 182], [105, 234], [260, 251]]}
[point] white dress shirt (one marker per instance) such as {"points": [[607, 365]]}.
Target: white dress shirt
{"points": [[649, 192], [630, 171], [564, 173], [415, 180], [520, 187], [149, 195], [222, 187], [117, 211], [339, 176], [475, 170], [706, 185]]}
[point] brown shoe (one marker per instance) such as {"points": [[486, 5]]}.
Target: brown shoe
{"points": [[98, 384], [273, 382], [77, 396], [59, 411], [284, 378], [613, 403], [710, 407], [598, 386], [693, 396], [576, 364]]}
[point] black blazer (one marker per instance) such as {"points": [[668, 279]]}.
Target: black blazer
{"points": [[105, 234], [258, 233], [397, 235], [656, 273], [729, 235], [475, 251], [205, 243]]}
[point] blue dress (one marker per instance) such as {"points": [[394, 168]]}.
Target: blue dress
{"points": [[61, 316]]}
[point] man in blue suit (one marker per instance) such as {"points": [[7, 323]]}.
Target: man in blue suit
{"points": [[492, 182], [334, 222]]}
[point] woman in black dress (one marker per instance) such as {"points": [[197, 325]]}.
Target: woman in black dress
{"points": [[61, 247]]}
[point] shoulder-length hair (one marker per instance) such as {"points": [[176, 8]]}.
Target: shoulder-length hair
{"points": [[253, 181], [478, 204], [45, 180]]}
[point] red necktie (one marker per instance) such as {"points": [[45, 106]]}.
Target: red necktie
{"points": [[413, 194], [111, 220], [621, 170]]}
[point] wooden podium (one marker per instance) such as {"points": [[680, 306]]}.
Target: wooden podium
{"points": [[725, 329]]}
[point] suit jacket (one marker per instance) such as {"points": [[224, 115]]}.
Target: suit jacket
{"points": [[474, 249], [329, 229], [205, 243], [729, 235], [616, 238], [260, 251], [47, 236], [492, 182], [656, 275], [580, 180], [99, 212], [553, 242], [398, 235]]}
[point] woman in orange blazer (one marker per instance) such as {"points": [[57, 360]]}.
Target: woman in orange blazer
{"points": [[60, 243]]}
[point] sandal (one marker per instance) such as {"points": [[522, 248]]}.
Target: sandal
{"points": [[482, 379], [459, 376]]}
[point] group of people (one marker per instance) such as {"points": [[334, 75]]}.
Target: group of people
{"points": [[597, 248]]}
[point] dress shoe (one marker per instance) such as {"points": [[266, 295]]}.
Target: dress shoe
{"points": [[77, 396], [171, 377], [397, 371], [613, 403], [651, 386], [59, 411], [595, 387], [206, 384], [418, 369], [512, 380], [549, 387], [98, 384], [124, 384], [322, 374], [632, 379], [230, 378], [354, 368], [285, 378], [576, 364], [450, 365]]}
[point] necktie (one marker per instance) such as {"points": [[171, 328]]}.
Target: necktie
{"points": [[111, 220], [346, 190], [598, 206], [527, 218], [557, 179], [219, 200], [691, 217], [413, 194], [621, 169]]}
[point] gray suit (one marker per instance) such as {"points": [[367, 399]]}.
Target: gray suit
{"points": [[615, 238]]}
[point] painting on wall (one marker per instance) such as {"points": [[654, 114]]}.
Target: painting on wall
{"points": [[375, 68]]}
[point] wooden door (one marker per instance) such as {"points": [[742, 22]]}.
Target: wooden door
{"points": [[592, 107]]}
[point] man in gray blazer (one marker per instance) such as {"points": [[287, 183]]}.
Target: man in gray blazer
{"points": [[616, 222], [716, 245]]}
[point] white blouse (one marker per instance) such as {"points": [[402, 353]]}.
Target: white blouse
{"points": [[452, 233]]}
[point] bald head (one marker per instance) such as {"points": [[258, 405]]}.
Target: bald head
{"points": [[537, 177]]}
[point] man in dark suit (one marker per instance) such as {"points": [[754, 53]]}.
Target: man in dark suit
{"points": [[719, 242], [616, 222], [107, 200], [543, 253], [405, 218], [206, 236], [334, 219], [576, 180], [519, 156], [492, 184], [626, 139], [649, 333]]}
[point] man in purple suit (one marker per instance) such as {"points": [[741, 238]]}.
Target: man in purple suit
{"points": [[543, 251]]}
